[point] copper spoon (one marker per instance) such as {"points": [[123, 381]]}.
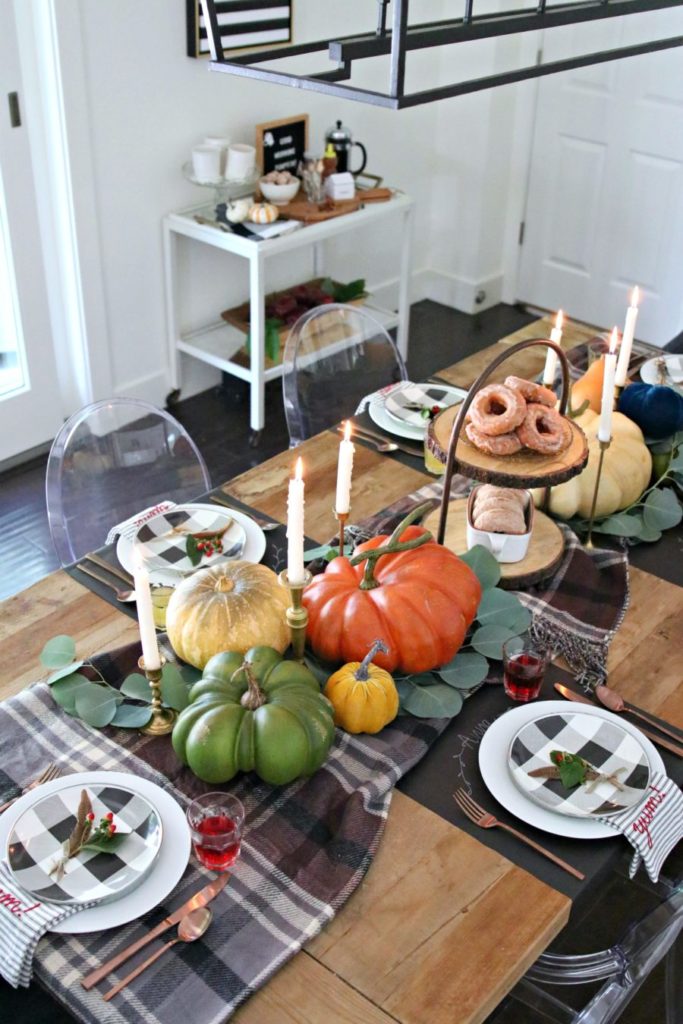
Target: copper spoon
{"points": [[191, 928]]}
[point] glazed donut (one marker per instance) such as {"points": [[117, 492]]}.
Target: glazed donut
{"points": [[501, 444], [488, 492], [544, 430], [497, 410], [496, 504], [531, 392], [501, 521]]}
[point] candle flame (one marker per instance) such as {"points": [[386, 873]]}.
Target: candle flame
{"points": [[347, 431], [613, 341], [559, 320], [635, 296], [299, 469]]}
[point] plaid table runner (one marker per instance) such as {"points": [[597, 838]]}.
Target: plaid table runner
{"points": [[575, 613], [307, 847]]}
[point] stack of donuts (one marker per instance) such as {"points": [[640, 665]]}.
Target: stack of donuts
{"points": [[499, 510], [505, 418]]}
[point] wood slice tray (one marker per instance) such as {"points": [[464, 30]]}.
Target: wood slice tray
{"points": [[300, 208], [525, 469], [545, 553]]}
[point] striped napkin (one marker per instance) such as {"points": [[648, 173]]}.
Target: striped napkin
{"points": [[653, 827], [23, 922], [129, 527]]}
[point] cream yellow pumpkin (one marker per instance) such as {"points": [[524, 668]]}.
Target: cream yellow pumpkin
{"points": [[230, 607], [626, 471], [263, 213]]}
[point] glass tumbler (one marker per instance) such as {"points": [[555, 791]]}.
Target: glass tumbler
{"points": [[524, 664], [216, 821]]}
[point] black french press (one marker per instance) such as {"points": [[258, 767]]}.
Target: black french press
{"points": [[341, 140]]}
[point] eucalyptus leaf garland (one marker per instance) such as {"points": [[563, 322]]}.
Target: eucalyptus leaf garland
{"points": [[98, 703]]}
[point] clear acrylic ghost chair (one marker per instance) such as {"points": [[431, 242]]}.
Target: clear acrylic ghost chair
{"points": [[623, 968], [110, 460], [334, 356]]}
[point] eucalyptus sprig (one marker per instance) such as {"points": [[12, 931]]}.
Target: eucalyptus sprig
{"points": [[657, 509], [97, 702]]}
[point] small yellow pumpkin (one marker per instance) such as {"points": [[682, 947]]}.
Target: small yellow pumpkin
{"points": [[263, 213], [363, 695]]}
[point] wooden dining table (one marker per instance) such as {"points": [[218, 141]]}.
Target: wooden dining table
{"points": [[442, 926]]}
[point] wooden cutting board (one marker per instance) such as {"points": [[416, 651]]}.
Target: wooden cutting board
{"points": [[301, 209]]}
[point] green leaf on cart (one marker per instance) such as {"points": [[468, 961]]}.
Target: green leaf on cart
{"points": [[62, 673], [64, 691], [662, 510], [137, 686], [436, 701], [483, 565], [95, 705], [58, 652], [500, 608], [489, 640], [467, 669], [131, 716], [174, 689]]}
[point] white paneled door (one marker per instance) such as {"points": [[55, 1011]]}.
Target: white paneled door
{"points": [[605, 199], [30, 408]]}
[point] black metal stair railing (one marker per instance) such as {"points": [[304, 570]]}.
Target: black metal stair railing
{"points": [[402, 38]]}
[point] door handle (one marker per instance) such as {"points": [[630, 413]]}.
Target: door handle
{"points": [[14, 111]]}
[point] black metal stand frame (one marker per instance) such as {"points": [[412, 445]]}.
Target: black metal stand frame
{"points": [[402, 38], [459, 421]]}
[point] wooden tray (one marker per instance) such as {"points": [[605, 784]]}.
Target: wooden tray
{"points": [[546, 547], [525, 469], [299, 208]]}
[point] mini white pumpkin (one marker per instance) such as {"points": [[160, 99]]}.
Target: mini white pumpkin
{"points": [[238, 210], [263, 213]]}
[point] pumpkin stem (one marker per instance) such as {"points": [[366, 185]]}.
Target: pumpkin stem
{"points": [[361, 673], [392, 546], [254, 697]]}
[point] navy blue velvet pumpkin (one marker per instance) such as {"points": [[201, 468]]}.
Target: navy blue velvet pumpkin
{"points": [[657, 409]]}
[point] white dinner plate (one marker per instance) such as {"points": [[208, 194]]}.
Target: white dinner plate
{"points": [[254, 547], [162, 879], [493, 765], [674, 367], [382, 419]]}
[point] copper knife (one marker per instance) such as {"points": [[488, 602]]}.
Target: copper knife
{"points": [[568, 694], [200, 899]]}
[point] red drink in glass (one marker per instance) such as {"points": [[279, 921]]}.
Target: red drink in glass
{"points": [[216, 821], [523, 669]]}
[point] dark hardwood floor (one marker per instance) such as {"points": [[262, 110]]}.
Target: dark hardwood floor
{"points": [[218, 420]]}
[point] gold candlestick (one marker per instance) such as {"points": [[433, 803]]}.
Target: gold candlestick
{"points": [[604, 445], [163, 719], [341, 518], [297, 615]]}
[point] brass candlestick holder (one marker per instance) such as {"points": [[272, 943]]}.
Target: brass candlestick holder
{"points": [[604, 445], [297, 616], [163, 719], [342, 519]]}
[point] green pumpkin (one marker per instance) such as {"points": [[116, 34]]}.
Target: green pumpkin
{"points": [[254, 712], [657, 409]]}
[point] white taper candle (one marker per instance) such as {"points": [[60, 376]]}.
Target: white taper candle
{"points": [[143, 601], [295, 526], [551, 357], [344, 471], [627, 340], [607, 403]]}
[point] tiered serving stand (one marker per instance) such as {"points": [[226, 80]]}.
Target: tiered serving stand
{"points": [[448, 443]]}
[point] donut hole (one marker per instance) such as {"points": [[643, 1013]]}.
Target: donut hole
{"points": [[496, 408], [542, 426]]}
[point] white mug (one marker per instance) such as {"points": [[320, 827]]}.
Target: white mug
{"points": [[206, 163], [241, 160], [221, 143]]}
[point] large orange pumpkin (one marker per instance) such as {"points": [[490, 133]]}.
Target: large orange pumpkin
{"points": [[419, 600]]}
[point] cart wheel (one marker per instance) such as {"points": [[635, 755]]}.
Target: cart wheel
{"points": [[255, 438]]}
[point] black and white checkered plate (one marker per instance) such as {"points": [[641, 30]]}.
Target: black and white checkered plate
{"points": [[162, 541], [399, 402], [603, 744], [35, 846]]}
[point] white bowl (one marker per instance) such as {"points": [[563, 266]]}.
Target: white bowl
{"points": [[279, 194], [505, 547]]}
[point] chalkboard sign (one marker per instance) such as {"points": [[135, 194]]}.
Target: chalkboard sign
{"points": [[280, 145]]}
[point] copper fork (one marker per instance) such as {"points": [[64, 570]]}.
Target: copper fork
{"points": [[51, 772], [476, 813]]}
